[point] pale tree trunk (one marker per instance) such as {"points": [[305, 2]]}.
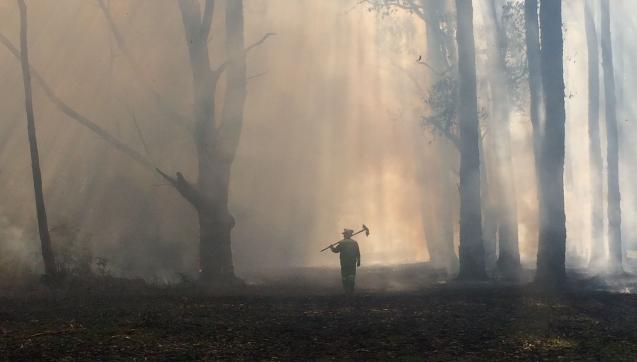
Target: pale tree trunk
{"points": [[612, 155], [489, 186], [551, 269], [471, 245], [532, 30], [440, 226], [50, 267], [594, 148], [508, 247]]}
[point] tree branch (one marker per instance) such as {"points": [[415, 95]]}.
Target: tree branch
{"points": [[437, 72], [185, 189], [174, 116], [225, 64], [455, 140], [206, 22], [81, 119]]}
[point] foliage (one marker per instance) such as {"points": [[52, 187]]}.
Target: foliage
{"points": [[515, 53], [442, 102]]}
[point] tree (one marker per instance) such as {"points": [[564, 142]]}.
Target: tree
{"points": [[612, 142], [471, 245], [441, 100], [532, 37], [215, 140], [50, 267], [552, 234], [594, 147], [507, 224]]}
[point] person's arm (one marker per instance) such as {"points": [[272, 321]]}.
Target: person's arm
{"points": [[358, 255], [335, 249]]}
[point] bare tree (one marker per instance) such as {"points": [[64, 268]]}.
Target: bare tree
{"points": [[216, 141], [471, 244], [552, 234], [50, 267]]}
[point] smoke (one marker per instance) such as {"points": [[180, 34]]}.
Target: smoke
{"points": [[332, 137]]}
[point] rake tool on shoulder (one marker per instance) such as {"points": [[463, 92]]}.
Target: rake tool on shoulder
{"points": [[364, 229]]}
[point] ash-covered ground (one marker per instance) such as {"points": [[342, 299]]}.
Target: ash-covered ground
{"points": [[409, 312]]}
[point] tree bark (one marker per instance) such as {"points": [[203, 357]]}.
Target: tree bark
{"points": [[471, 245], [552, 235], [215, 221], [594, 147], [612, 154], [216, 145], [50, 267]]}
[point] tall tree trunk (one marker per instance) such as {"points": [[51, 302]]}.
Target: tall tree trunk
{"points": [[594, 148], [532, 30], [612, 155], [488, 185], [552, 236], [231, 121], [508, 247], [471, 246], [50, 267], [210, 197], [440, 240]]}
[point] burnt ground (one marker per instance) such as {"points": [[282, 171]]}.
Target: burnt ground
{"points": [[292, 320]]}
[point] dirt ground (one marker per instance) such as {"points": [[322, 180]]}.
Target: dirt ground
{"points": [[438, 322]]}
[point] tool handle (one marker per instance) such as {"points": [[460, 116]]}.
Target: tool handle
{"points": [[329, 246]]}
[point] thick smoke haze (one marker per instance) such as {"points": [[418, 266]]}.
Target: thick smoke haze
{"points": [[333, 136]]}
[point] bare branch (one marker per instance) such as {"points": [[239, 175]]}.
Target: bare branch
{"points": [[164, 106], [258, 75], [437, 72], [138, 129], [185, 189], [261, 41], [81, 119], [217, 72], [206, 22]]}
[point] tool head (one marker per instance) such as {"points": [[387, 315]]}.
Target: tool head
{"points": [[366, 230]]}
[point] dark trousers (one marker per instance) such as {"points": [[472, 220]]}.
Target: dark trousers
{"points": [[348, 275]]}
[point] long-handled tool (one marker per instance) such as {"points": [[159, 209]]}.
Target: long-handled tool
{"points": [[364, 229]]}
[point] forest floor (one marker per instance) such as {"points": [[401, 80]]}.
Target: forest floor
{"points": [[296, 321]]}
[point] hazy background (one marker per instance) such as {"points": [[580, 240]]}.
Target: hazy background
{"points": [[332, 137]]}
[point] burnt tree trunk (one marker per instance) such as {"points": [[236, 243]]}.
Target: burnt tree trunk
{"points": [[612, 154], [552, 234], [594, 147], [471, 246], [210, 196], [50, 267]]}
